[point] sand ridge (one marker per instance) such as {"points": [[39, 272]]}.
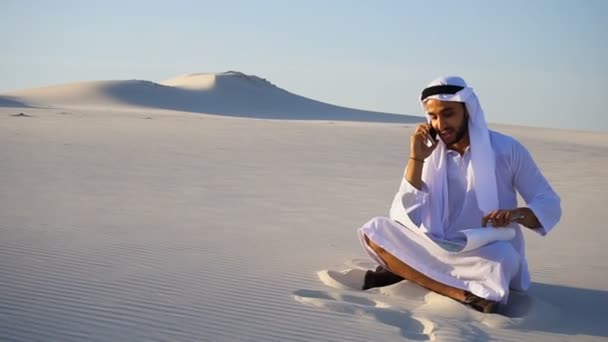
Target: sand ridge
{"points": [[229, 93]]}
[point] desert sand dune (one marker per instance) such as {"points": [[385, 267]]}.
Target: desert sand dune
{"points": [[230, 94]]}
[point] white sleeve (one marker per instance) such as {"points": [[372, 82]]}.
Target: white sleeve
{"points": [[409, 201], [535, 190]]}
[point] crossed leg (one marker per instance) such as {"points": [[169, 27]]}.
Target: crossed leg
{"points": [[399, 267]]}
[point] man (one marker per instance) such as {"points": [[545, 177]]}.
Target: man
{"points": [[465, 179]]}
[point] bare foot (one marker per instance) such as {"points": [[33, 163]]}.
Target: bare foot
{"points": [[480, 304]]}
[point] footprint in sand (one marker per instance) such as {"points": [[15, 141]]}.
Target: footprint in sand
{"points": [[414, 328], [408, 300], [362, 264], [351, 279], [520, 304], [402, 293]]}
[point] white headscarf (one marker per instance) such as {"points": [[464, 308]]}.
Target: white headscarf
{"points": [[481, 171]]}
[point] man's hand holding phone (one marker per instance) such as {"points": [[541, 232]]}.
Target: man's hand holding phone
{"points": [[423, 142]]}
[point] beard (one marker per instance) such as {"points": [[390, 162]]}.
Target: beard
{"points": [[459, 133]]}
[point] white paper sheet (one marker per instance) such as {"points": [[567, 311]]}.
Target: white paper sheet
{"points": [[471, 238], [475, 238]]}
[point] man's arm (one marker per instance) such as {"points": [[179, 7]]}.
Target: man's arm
{"points": [[540, 197], [411, 199], [543, 209], [419, 151], [413, 172]]}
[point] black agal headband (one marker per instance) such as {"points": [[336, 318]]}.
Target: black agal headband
{"points": [[440, 89]]}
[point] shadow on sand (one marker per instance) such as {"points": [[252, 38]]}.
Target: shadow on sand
{"points": [[560, 309], [7, 101]]}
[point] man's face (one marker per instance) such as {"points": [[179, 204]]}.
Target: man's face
{"points": [[450, 119]]}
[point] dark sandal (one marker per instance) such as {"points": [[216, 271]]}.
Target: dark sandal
{"points": [[379, 278], [479, 304]]}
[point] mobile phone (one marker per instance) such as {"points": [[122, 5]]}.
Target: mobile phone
{"points": [[433, 135]]}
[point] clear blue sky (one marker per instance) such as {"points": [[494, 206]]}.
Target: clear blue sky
{"points": [[531, 62]]}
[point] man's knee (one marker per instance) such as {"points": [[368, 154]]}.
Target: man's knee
{"points": [[372, 225], [371, 243], [377, 221]]}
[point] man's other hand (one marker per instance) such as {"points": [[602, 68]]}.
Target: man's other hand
{"points": [[502, 218]]}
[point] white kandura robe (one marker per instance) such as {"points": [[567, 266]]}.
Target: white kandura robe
{"points": [[491, 270]]}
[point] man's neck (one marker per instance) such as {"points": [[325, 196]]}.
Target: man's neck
{"points": [[461, 145]]}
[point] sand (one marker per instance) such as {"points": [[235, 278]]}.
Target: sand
{"points": [[124, 221]]}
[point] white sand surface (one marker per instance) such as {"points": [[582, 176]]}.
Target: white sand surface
{"points": [[158, 225]]}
